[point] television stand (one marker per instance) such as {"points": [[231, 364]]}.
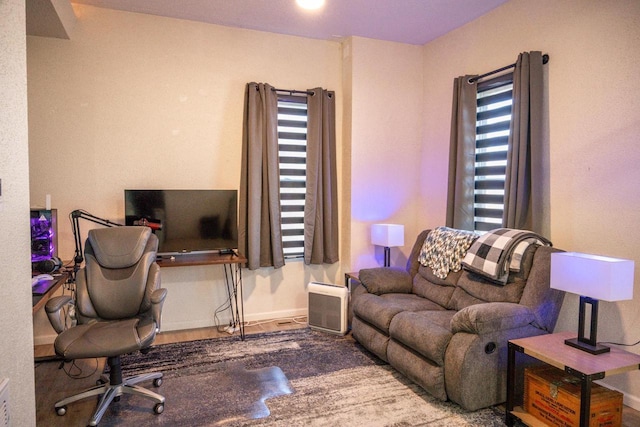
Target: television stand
{"points": [[232, 263]]}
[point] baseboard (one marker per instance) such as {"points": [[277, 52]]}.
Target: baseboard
{"points": [[202, 323], [632, 402], [44, 339], [283, 314], [208, 323], [629, 400]]}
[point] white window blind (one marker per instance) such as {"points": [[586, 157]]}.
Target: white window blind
{"points": [[292, 149], [493, 118]]}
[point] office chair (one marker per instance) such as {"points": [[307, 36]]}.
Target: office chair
{"points": [[118, 303]]}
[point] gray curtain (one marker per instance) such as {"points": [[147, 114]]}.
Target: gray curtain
{"points": [[523, 205], [260, 236], [462, 154], [259, 223], [321, 198], [524, 195]]}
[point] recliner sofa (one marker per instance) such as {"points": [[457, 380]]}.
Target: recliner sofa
{"points": [[449, 335]]}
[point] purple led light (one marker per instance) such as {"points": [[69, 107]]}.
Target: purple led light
{"points": [[41, 237]]}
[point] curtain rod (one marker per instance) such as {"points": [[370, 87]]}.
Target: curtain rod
{"points": [[545, 59], [292, 92]]}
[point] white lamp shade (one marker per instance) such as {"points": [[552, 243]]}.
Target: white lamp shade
{"points": [[598, 277], [388, 235]]}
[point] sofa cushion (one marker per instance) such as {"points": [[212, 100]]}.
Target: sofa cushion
{"points": [[427, 285], [380, 281], [537, 295], [473, 289], [418, 369], [370, 337], [461, 299], [427, 333], [450, 280], [379, 310]]}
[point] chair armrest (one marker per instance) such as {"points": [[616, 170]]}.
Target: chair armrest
{"points": [[157, 301], [385, 280], [158, 296], [54, 308], [491, 317]]}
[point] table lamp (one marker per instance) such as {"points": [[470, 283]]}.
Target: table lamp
{"points": [[389, 236], [594, 278]]}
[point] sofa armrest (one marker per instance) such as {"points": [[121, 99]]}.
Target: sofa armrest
{"points": [[491, 317], [385, 280]]}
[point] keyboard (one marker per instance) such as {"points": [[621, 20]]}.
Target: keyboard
{"points": [[42, 286]]}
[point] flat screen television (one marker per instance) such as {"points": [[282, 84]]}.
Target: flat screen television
{"points": [[186, 221]]}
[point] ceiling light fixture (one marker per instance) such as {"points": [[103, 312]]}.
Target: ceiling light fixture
{"points": [[310, 4]]}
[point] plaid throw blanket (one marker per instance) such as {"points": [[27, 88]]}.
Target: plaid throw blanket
{"points": [[444, 248], [491, 254]]}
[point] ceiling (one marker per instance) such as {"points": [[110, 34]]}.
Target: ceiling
{"points": [[405, 21]]}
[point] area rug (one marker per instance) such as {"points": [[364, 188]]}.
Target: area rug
{"points": [[291, 378]]}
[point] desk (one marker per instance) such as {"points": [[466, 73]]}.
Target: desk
{"points": [[552, 350], [232, 275], [39, 301]]}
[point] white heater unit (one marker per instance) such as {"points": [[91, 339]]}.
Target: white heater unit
{"points": [[328, 307]]}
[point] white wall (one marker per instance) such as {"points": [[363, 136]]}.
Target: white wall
{"points": [[385, 134], [594, 100], [16, 338], [139, 101]]}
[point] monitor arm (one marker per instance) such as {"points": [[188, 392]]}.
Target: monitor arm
{"points": [[75, 221]]}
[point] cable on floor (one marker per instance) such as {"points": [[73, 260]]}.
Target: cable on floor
{"points": [[73, 366], [280, 321]]}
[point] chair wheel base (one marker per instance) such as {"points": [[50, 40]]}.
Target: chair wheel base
{"points": [[108, 393]]}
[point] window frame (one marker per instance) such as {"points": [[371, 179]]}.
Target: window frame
{"points": [[292, 149], [491, 150]]}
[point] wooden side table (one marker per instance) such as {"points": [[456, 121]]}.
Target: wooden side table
{"points": [[351, 281], [551, 349], [348, 277]]}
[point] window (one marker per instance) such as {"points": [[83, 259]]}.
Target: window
{"points": [[292, 150], [493, 119], [289, 135]]}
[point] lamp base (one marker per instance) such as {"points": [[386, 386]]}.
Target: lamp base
{"points": [[387, 256], [593, 349]]}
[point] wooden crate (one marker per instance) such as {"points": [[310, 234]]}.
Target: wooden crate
{"points": [[553, 396]]}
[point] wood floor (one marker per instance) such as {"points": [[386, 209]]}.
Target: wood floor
{"points": [[52, 380]]}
